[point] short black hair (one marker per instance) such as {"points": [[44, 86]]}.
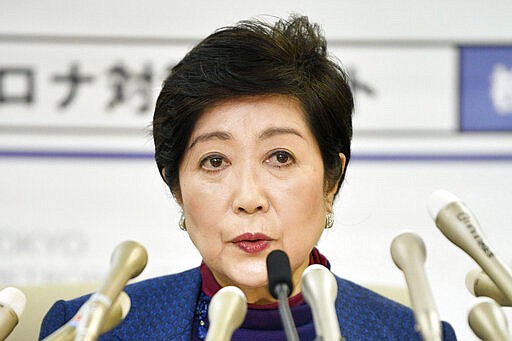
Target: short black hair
{"points": [[254, 58]]}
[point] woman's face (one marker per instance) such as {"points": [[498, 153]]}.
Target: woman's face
{"points": [[251, 181]]}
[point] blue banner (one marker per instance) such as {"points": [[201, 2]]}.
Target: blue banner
{"points": [[486, 88]]}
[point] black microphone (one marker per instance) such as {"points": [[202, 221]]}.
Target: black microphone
{"points": [[279, 272], [280, 286]]}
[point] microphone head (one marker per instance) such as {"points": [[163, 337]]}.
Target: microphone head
{"points": [[226, 312], [318, 280], [438, 200], [488, 321], [14, 298], [471, 278], [132, 255], [480, 284], [407, 247], [279, 272], [319, 289]]}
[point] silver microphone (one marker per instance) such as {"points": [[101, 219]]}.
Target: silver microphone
{"points": [[460, 226], [115, 315], [319, 289], [409, 253], [127, 261], [488, 321], [12, 305], [479, 284], [226, 313]]}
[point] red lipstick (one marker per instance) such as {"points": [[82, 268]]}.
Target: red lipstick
{"points": [[252, 242]]}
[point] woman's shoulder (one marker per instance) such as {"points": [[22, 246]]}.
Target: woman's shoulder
{"points": [[151, 288], [363, 312], [354, 294], [172, 296]]}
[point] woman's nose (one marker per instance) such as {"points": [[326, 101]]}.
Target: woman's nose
{"points": [[250, 196]]}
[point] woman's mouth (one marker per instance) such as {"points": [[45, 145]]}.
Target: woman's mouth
{"points": [[252, 242]]}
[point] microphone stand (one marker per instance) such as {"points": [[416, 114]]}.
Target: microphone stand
{"points": [[290, 330]]}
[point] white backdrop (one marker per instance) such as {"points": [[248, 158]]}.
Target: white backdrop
{"points": [[76, 182]]}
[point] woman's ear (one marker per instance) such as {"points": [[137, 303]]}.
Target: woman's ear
{"points": [[343, 162], [175, 192], [329, 196]]}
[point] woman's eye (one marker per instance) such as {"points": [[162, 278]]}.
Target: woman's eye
{"points": [[280, 159], [214, 163]]}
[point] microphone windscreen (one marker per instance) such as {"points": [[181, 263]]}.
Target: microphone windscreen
{"points": [[14, 298], [480, 284], [438, 200], [279, 271], [488, 321]]}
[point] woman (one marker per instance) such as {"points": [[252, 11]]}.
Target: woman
{"points": [[252, 135]]}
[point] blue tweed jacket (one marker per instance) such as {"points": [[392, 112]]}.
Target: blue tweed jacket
{"points": [[163, 309]]}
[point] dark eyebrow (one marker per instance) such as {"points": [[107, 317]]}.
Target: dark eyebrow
{"points": [[221, 135], [279, 131]]}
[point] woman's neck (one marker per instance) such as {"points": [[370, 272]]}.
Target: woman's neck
{"points": [[261, 295]]}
